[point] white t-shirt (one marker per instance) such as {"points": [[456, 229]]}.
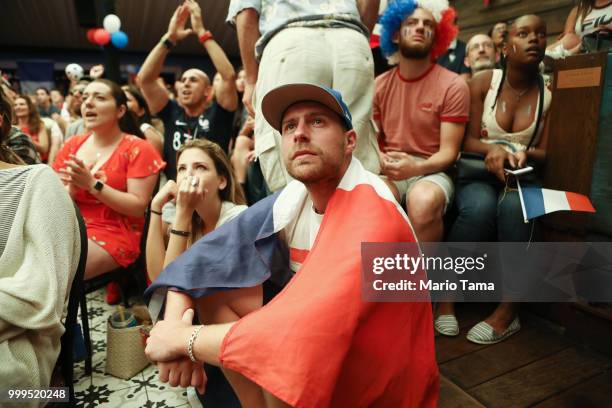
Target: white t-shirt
{"points": [[301, 234], [597, 17]]}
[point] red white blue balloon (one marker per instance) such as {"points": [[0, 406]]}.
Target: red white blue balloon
{"points": [[111, 23], [101, 36], [119, 39]]}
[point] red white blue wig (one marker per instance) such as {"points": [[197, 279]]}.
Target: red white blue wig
{"points": [[397, 11]]}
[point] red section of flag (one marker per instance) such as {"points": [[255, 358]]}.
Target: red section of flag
{"points": [[579, 202], [298, 255], [318, 344]]}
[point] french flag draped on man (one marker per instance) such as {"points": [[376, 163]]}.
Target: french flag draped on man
{"points": [[317, 344]]}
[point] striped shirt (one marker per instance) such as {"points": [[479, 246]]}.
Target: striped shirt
{"points": [[12, 184]]}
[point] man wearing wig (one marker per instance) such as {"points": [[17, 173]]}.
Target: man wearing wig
{"points": [[421, 110]]}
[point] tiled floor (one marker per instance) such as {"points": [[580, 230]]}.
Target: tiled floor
{"points": [[103, 390]]}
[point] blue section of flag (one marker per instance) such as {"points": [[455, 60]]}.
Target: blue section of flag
{"points": [[244, 252], [533, 200]]}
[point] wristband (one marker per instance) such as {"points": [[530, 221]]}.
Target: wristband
{"points": [[155, 212], [167, 43], [192, 339], [205, 37], [179, 232]]}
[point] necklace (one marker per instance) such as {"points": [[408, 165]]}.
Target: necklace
{"points": [[517, 93], [195, 128]]}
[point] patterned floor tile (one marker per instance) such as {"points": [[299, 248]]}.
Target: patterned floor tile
{"points": [[102, 396], [103, 390], [170, 397]]}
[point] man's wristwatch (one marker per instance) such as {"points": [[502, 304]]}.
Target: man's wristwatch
{"points": [[97, 187]]}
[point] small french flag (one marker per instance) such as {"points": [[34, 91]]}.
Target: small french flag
{"points": [[539, 201]]}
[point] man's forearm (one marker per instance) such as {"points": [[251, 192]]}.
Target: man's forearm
{"points": [[151, 68], [247, 26], [219, 59], [176, 304], [207, 347], [368, 10], [437, 162]]}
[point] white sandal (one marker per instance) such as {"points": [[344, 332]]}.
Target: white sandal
{"points": [[447, 325], [483, 333]]}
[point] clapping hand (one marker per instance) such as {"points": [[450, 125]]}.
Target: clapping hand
{"points": [[77, 173], [176, 28], [196, 17]]}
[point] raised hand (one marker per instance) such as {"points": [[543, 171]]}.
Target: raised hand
{"points": [[196, 17], [176, 28]]}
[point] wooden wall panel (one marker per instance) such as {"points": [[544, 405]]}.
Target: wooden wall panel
{"points": [[475, 18]]}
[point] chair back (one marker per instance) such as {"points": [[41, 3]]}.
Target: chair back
{"points": [[76, 291]]}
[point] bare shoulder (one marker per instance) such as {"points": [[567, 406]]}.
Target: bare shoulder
{"points": [[481, 81]]}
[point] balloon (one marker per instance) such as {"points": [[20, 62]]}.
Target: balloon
{"points": [[119, 39], [74, 71], [101, 36], [90, 35], [111, 23]]}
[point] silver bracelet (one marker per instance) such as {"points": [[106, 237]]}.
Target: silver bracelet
{"points": [[192, 339]]}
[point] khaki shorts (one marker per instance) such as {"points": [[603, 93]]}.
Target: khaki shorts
{"points": [[441, 179]]}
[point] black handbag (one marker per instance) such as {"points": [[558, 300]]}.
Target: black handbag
{"points": [[471, 167]]}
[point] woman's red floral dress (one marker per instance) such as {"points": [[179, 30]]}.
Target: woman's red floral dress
{"points": [[117, 234]]}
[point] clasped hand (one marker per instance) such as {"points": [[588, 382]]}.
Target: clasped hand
{"points": [[167, 346], [398, 165], [187, 195]]}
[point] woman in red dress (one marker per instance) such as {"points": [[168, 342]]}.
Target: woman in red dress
{"points": [[111, 176], [30, 123]]}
